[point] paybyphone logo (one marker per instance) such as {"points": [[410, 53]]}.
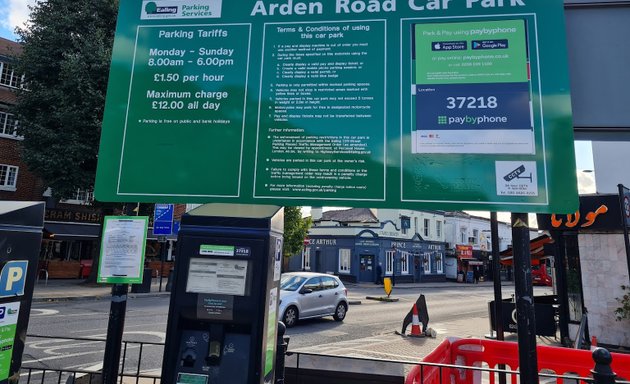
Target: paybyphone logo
{"points": [[180, 9], [471, 120]]}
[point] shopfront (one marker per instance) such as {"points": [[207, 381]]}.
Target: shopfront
{"points": [[71, 240], [591, 266]]}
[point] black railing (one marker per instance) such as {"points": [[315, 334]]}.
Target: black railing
{"points": [[306, 368]]}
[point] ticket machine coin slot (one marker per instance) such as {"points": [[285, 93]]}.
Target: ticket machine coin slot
{"points": [[215, 345]]}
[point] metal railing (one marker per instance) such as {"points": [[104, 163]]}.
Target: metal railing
{"points": [[133, 368], [299, 366]]}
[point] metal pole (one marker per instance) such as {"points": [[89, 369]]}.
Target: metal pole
{"points": [[626, 241], [496, 277], [115, 328], [561, 286], [525, 314], [163, 247]]}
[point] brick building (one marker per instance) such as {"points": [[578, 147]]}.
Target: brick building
{"points": [[16, 181]]}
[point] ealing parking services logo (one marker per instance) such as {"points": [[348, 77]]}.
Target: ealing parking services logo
{"points": [[181, 9], [151, 8]]}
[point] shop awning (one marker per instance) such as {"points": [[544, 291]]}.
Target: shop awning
{"points": [[71, 231], [536, 249]]}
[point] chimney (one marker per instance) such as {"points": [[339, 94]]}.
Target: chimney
{"points": [[316, 213]]}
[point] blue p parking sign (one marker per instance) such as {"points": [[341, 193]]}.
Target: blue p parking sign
{"points": [[13, 278]]}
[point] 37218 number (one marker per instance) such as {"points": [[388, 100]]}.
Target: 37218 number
{"points": [[471, 102]]}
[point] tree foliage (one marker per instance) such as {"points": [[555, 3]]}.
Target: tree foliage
{"points": [[66, 57], [295, 230]]}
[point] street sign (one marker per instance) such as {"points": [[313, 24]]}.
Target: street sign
{"points": [[163, 219], [420, 104]]}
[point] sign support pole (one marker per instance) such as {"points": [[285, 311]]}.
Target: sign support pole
{"points": [[115, 328], [624, 222], [163, 247], [526, 316], [496, 278]]}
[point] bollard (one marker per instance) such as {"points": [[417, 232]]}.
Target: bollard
{"points": [[602, 373], [169, 282], [281, 350]]}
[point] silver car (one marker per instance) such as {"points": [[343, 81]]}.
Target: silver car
{"points": [[306, 295]]}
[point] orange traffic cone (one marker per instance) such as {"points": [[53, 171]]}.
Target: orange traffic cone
{"points": [[593, 343], [415, 323]]}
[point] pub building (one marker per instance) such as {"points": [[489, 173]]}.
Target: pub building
{"points": [[352, 243]]}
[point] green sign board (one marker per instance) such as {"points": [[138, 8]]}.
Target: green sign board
{"points": [[451, 104]]}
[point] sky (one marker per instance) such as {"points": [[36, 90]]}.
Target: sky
{"points": [[12, 14]]}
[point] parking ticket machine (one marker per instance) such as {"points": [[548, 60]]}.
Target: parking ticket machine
{"points": [[222, 321]]}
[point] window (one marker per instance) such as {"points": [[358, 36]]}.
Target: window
{"points": [[427, 227], [8, 177], [404, 263], [8, 76], [344, 260], [8, 124], [438, 229], [313, 284], [462, 236], [426, 263], [306, 259], [389, 262], [329, 283], [439, 266], [475, 236], [415, 225], [81, 196]]}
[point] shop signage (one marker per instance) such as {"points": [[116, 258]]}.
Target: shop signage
{"points": [[464, 251], [68, 215], [323, 242], [380, 103], [599, 212]]}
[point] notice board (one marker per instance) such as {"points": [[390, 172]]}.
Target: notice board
{"points": [[442, 104]]}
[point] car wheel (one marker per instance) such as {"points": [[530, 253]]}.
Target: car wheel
{"points": [[340, 312], [290, 317]]}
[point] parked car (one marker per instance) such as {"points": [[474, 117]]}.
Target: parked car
{"points": [[307, 295]]}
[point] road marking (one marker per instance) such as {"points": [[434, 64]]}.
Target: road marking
{"points": [[126, 326], [43, 312]]}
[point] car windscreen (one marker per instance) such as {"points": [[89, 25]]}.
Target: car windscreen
{"points": [[291, 283]]}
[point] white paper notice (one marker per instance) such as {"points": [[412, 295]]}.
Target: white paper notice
{"points": [[123, 248], [220, 276]]}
